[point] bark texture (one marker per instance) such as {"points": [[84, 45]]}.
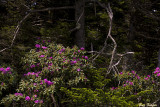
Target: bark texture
{"points": [[79, 17]]}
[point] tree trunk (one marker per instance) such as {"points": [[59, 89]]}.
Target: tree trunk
{"points": [[79, 17], [158, 58]]}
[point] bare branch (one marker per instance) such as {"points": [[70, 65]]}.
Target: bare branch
{"points": [[16, 32], [110, 13], [29, 12], [54, 101], [52, 8], [78, 25]]}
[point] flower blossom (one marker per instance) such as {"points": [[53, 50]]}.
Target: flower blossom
{"points": [[158, 74], [41, 56], [133, 72], [2, 69], [82, 48], [36, 101], [27, 98], [37, 45], [78, 69], [43, 47], [8, 69], [121, 73], [146, 78], [20, 94], [131, 83]]}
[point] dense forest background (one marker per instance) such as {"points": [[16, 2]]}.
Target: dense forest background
{"points": [[118, 35]]}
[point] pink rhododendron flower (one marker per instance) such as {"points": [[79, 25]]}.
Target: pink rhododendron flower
{"points": [[49, 82], [124, 85], [74, 62], [86, 57], [8, 69], [62, 50], [20, 94], [1, 69], [41, 56], [121, 73], [157, 69], [78, 69], [27, 98], [82, 48], [146, 78], [155, 72], [50, 57], [131, 83], [37, 45], [34, 84], [138, 77], [36, 101], [133, 72], [43, 47], [158, 74], [32, 66], [45, 80]]}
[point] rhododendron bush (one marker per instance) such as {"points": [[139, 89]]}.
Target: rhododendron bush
{"points": [[58, 75], [7, 78], [47, 68]]}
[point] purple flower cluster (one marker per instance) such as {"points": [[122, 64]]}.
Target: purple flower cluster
{"points": [[128, 82], [148, 76], [37, 45], [36, 101], [73, 62], [62, 50], [5, 70], [18, 94], [85, 57], [121, 73], [82, 48], [78, 69], [157, 71], [27, 98], [114, 88], [47, 82], [41, 56], [43, 47], [32, 73], [32, 66]]}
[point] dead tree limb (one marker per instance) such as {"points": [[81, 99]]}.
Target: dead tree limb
{"points": [[52, 8], [78, 25], [16, 32], [110, 14], [54, 101], [29, 12], [117, 63]]}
